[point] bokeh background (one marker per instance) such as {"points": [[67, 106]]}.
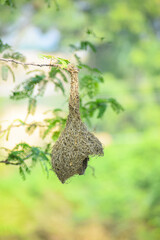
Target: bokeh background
{"points": [[118, 198]]}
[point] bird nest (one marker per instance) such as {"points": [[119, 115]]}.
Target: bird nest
{"points": [[70, 154]]}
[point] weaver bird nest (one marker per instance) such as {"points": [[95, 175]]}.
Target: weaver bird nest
{"points": [[71, 151]]}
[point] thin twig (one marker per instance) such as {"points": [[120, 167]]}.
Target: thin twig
{"points": [[17, 163], [70, 68], [8, 162], [93, 170], [31, 64], [21, 125]]}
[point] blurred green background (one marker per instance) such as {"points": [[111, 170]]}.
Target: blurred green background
{"points": [[120, 198]]}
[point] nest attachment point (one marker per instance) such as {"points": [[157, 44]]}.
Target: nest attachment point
{"points": [[70, 154]]}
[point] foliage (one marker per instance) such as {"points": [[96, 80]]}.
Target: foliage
{"points": [[3, 46], [23, 152], [63, 62], [7, 52], [34, 87]]}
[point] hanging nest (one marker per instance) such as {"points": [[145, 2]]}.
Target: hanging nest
{"points": [[71, 151]]}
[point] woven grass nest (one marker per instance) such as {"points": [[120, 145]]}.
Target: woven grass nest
{"points": [[70, 154]]}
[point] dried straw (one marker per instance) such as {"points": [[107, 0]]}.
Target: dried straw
{"points": [[71, 151]]}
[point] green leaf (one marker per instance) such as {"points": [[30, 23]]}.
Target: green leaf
{"points": [[23, 146], [8, 132], [26, 168], [22, 173], [74, 47], [57, 110], [45, 56], [36, 70], [28, 86], [90, 85], [16, 95], [89, 108], [44, 161], [85, 44], [44, 167], [78, 59], [19, 120], [47, 131], [32, 106], [116, 106], [12, 73], [16, 156], [42, 87], [34, 80], [35, 151], [48, 147], [55, 135], [43, 156], [52, 123], [3, 46], [30, 129], [98, 78], [53, 72], [79, 66], [59, 85], [101, 109], [10, 3], [15, 55], [63, 76], [41, 132], [4, 71], [96, 70], [64, 62], [89, 31]]}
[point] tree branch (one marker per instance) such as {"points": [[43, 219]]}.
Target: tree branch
{"points": [[8, 162], [20, 163], [70, 67], [31, 64], [21, 125]]}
